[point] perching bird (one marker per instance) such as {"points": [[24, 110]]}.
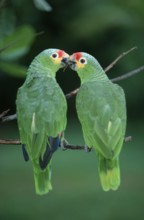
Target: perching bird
{"points": [[41, 113], [101, 109]]}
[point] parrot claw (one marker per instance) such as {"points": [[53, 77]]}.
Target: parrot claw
{"points": [[63, 144], [87, 149]]}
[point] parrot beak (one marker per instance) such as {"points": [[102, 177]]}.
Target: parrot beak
{"points": [[68, 61], [64, 61], [72, 64]]}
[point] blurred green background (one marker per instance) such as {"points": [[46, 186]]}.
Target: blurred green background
{"points": [[104, 28]]}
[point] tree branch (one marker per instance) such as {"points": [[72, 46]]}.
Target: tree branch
{"points": [[72, 93], [9, 118], [111, 65], [10, 142], [77, 147], [65, 147], [4, 118], [117, 79], [128, 75], [3, 114]]}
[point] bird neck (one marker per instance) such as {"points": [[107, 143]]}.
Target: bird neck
{"points": [[41, 68], [93, 75]]}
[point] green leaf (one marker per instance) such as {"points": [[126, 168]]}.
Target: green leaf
{"points": [[18, 43], [13, 69], [42, 5]]}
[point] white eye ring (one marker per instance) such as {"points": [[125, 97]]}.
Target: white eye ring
{"points": [[55, 55], [83, 60]]}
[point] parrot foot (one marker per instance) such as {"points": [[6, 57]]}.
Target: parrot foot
{"points": [[87, 149], [63, 144]]}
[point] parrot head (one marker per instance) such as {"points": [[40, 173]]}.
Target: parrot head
{"points": [[82, 61], [85, 65], [53, 59], [58, 57]]}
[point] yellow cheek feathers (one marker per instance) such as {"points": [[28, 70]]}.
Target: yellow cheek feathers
{"points": [[80, 65], [57, 61]]}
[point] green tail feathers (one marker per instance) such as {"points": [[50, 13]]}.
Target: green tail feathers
{"points": [[42, 179], [109, 173]]}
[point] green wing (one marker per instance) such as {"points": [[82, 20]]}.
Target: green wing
{"points": [[102, 112], [41, 111]]}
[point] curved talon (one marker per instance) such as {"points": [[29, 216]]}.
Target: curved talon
{"points": [[89, 149], [127, 139], [63, 144]]}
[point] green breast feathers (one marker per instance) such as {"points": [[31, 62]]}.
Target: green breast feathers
{"points": [[101, 111]]}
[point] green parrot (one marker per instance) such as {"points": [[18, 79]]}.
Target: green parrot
{"points": [[101, 109], [41, 113]]}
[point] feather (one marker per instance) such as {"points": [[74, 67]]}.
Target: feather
{"points": [[41, 113], [101, 110]]}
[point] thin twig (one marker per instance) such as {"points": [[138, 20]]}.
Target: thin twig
{"points": [[88, 149], [66, 147], [72, 93], [77, 147], [4, 113], [9, 118], [128, 75], [117, 79], [69, 95], [110, 66], [10, 142]]}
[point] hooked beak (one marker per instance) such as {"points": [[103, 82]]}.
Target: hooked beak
{"points": [[72, 64], [66, 61]]}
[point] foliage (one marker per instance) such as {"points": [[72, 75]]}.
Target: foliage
{"points": [[104, 28], [13, 47], [15, 41], [100, 27], [42, 5]]}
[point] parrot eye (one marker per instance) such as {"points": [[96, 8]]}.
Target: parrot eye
{"points": [[83, 60], [55, 55]]}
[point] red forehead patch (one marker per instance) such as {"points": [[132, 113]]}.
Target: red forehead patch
{"points": [[77, 56], [60, 53]]}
